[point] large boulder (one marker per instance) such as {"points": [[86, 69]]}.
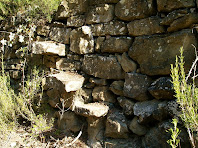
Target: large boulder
{"points": [[100, 14], [155, 54], [69, 8], [136, 86], [106, 67], [48, 47], [81, 40], [146, 26], [129, 10], [170, 5]]}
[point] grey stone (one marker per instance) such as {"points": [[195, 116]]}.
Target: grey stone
{"points": [[111, 28], [127, 105], [102, 67], [81, 40], [136, 128], [116, 126], [136, 86], [170, 5], [146, 26], [129, 10], [117, 87], [155, 54], [76, 21], [100, 14], [116, 44], [48, 47], [162, 88], [103, 94], [60, 35]]}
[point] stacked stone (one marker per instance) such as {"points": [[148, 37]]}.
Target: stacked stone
{"points": [[123, 49]]}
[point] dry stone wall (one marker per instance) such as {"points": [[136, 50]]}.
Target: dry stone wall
{"points": [[112, 63]]}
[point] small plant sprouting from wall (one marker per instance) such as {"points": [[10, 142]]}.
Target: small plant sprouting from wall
{"points": [[186, 94]]}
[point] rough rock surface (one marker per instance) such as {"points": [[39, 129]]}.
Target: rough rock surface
{"points": [[162, 88], [127, 105], [66, 64], [81, 40], [60, 35], [100, 14], [136, 86], [129, 10], [149, 111], [136, 128], [117, 87], [102, 67], [116, 126], [48, 47], [103, 2], [169, 5], [155, 54], [116, 45], [145, 26], [103, 94], [111, 28], [96, 81], [76, 21], [43, 30]]}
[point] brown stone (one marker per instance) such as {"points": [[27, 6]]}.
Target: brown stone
{"points": [[127, 105], [170, 5], [155, 54], [60, 35], [117, 87], [106, 67], [93, 2], [116, 44], [66, 64], [81, 40], [96, 81], [100, 14], [145, 26], [49, 61], [98, 43], [43, 30], [129, 10], [136, 86], [76, 21]]}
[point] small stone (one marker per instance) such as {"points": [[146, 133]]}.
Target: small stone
{"points": [[76, 21], [96, 81], [127, 105], [66, 64], [43, 30], [117, 87]]}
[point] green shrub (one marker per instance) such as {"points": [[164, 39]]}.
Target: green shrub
{"points": [[186, 95]]}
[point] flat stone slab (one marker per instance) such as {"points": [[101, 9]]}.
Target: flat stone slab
{"points": [[48, 47]]}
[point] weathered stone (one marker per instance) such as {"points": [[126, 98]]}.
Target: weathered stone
{"points": [[69, 8], [103, 2], [48, 47], [49, 61], [149, 111], [102, 67], [129, 10], [145, 26], [103, 94], [128, 65], [170, 5], [90, 109], [158, 136], [127, 105], [86, 94], [133, 142], [65, 64], [162, 88], [110, 28], [71, 81], [96, 81], [116, 126], [155, 54], [117, 87], [116, 44], [173, 16], [136, 128], [76, 21], [95, 131], [98, 43], [60, 35], [43, 30], [183, 22], [81, 40], [100, 14], [69, 121], [136, 86]]}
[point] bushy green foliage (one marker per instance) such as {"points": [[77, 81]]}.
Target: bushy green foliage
{"points": [[34, 9], [186, 95]]}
